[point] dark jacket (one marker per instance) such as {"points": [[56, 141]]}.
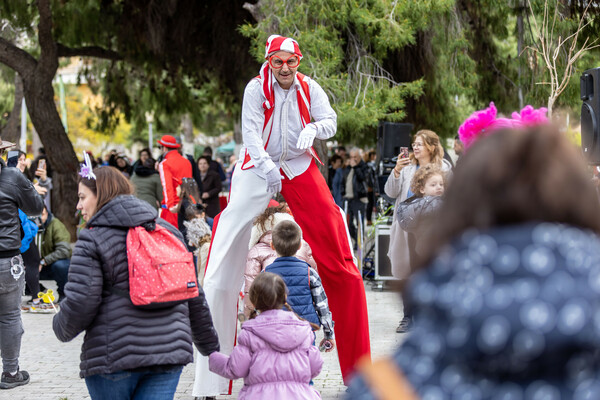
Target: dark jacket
{"points": [[16, 192], [212, 185], [147, 185], [216, 167], [56, 241], [412, 215], [506, 313], [195, 171], [295, 273], [120, 336], [359, 180]]}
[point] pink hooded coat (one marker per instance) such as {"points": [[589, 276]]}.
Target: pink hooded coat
{"points": [[261, 254], [275, 356]]}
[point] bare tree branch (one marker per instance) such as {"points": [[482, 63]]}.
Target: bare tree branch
{"points": [[87, 51], [559, 56], [16, 58], [255, 10]]}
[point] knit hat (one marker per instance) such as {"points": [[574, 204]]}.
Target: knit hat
{"points": [[169, 142], [277, 43]]}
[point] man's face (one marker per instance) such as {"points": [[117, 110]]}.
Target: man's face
{"points": [[44, 215], [354, 158], [285, 74], [459, 148]]}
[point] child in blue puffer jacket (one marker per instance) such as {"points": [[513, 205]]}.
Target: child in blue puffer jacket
{"points": [[306, 295]]}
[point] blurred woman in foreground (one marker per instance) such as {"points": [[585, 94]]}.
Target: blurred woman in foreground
{"points": [[506, 302]]}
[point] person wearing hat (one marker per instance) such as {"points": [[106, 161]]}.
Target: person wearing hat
{"points": [[283, 111], [16, 192], [172, 169]]}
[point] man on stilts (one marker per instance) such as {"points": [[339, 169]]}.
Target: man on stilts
{"points": [[277, 156]]}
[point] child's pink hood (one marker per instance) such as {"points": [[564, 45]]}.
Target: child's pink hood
{"points": [[281, 330]]}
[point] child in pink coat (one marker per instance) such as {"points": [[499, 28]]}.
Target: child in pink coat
{"points": [[275, 354], [261, 253]]}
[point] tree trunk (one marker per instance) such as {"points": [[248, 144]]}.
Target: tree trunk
{"points": [[39, 97], [551, 101], [320, 147], [188, 128], [188, 134], [11, 130]]}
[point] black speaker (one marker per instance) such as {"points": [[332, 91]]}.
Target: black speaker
{"points": [[383, 266], [590, 113], [390, 137]]}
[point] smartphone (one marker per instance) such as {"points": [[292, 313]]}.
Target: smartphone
{"points": [[42, 164], [403, 152]]}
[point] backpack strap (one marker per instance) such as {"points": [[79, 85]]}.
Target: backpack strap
{"points": [[386, 380]]}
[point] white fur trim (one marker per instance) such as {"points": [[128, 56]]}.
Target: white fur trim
{"points": [[258, 232]]}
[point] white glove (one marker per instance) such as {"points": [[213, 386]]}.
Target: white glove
{"points": [[307, 136], [273, 181]]}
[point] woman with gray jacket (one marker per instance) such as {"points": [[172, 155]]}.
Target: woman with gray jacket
{"points": [[426, 150], [128, 352]]}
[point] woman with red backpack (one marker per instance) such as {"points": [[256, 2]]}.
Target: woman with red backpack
{"points": [[128, 351]]}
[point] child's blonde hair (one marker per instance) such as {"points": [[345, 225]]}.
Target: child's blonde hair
{"points": [[262, 219], [422, 176]]}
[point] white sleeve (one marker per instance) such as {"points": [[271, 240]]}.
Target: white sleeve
{"points": [[325, 119], [253, 118]]}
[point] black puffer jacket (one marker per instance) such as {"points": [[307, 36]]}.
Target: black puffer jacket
{"points": [[120, 336], [16, 191]]}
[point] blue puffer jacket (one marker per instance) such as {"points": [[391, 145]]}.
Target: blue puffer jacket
{"points": [[295, 273], [507, 313]]}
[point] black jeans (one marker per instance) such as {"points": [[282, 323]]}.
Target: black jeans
{"points": [[370, 205], [354, 206], [31, 259]]}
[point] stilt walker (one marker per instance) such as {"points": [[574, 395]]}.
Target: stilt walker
{"points": [[277, 156]]}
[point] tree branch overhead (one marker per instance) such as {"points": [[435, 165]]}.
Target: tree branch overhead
{"points": [[87, 51]]}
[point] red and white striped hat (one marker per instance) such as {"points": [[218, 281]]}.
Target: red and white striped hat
{"points": [[277, 43]]}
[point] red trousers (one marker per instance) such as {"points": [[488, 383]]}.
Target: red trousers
{"points": [[323, 227]]}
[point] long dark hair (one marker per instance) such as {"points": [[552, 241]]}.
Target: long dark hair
{"points": [[109, 183], [512, 177]]}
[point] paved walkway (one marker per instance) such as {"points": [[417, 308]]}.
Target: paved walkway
{"points": [[54, 366]]}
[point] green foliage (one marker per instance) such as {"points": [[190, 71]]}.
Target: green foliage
{"points": [[345, 43], [7, 92]]}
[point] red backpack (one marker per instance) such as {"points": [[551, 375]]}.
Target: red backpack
{"points": [[161, 269]]}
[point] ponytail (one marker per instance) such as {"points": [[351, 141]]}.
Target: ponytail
{"points": [[253, 314]]}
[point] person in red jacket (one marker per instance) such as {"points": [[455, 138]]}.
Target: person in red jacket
{"points": [[172, 169]]}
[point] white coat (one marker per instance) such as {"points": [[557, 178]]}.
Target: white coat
{"points": [[397, 188]]}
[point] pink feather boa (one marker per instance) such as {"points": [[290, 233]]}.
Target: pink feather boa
{"points": [[484, 122]]}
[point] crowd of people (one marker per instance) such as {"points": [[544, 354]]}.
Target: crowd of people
{"points": [[496, 255]]}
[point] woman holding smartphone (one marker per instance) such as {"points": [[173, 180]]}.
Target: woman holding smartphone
{"points": [[426, 150], [40, 173]]}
